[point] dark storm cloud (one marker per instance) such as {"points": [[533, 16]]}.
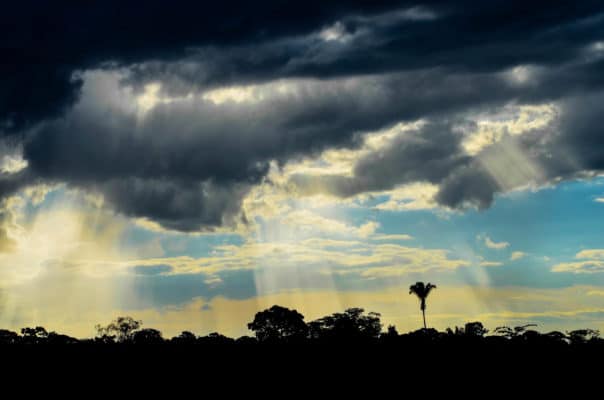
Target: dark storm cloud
{"points": [[184, 206], [459, 36], [571, 148], [43, 43], [188, 164], [428, 155], [432, 153], [585, 139], [568, 148]]}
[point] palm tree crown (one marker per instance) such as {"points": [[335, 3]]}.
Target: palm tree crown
{"points": [[422, 291]]}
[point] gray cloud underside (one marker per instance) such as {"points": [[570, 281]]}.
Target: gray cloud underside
{"points": [[188, 164], [434, 154]]}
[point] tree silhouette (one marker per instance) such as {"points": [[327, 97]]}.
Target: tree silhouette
{"points": [[472, 329], [9, 337], [390, 336], [392, 331], [512, 333], [215, 338], [185, 337], [34, 335], [55, 338], [349, 325], [583, 335], [422, 291], [147, 336], [246, 340], [120, 330], [278, 323], [353, 327]]}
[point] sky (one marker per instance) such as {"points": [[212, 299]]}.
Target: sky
{"points": [[191, 164]]}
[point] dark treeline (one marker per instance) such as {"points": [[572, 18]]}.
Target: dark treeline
{"points": [[280, 325]]}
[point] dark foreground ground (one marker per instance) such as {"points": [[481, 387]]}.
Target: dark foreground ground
{"points": [[343, 355], [307, 371], [372, 359]]}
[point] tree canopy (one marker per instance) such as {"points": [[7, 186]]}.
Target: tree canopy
{"points": [[279, 323], [352, 324]]}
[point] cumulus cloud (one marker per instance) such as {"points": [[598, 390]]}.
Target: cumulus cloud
{"points": [[593, 262], [305, 221], [580, 267], [593, 254], [491, 244], [524, 153], [517, 255], [392, 237], [318, 256]]}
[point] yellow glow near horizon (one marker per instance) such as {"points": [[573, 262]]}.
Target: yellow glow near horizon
{"points": [[567, 308], [76, 280]]}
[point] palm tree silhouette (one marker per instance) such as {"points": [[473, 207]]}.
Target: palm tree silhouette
{"points": [[422, 291]]}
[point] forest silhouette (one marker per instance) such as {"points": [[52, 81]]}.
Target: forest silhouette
{"points": [[279, 325]]}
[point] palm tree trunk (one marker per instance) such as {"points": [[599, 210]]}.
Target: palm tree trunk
{"points": [[424, 315]]}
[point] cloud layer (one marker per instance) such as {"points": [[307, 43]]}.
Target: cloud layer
{"points": [[176, 125]]}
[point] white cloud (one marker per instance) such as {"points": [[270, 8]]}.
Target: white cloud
{"points": [[594, 262], [491, 128], [517, 255], [235, 94], [492, 244], [336, 32], [391, 237], [591, 254], [580, 267], [521, 75], [599, 200], [11, 157], [370, 260], [152, 96], [490, 264], [308, 222], [416, 196], [213, 280]]}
